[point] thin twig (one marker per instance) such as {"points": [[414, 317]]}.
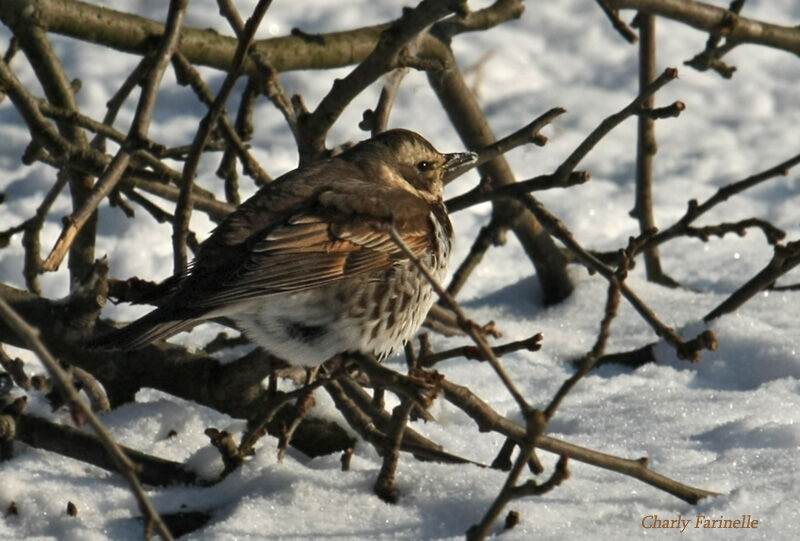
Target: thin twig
{"points": [[377, 121], [612, 122], [646, 148], [526, 134], [619, 25], [532, 343], [711, 56], [785, 258]]}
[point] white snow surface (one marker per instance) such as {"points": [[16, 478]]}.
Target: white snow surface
{"points": [[728, 424]]}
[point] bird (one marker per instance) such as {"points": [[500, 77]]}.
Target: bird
{"points": [[307, 269]]}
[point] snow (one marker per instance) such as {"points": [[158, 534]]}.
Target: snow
{"points": [[729, 423]]}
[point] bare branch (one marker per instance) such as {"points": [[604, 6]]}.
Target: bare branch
{"points": [[121, 461]]}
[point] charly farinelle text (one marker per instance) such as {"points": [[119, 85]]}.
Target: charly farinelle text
{"points": [[698, 522]]}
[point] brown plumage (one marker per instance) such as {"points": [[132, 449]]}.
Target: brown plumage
{"points": [[306, 267]]}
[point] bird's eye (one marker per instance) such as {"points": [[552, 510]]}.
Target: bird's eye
{"points": [[425, 166]]}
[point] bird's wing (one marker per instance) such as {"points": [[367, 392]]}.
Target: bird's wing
{"points": [[307, 251]]}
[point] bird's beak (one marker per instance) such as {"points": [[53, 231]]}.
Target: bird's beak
{"points": [[457, 160]]}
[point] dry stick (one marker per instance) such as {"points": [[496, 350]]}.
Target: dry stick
{"points": [[229, 11], [60, 91], [267, 77], [373, 424], [466, 115], [772, 233], [499, 12], [60, 378], [618, 24], [31, 239], [589, 360], [257, 427], [183, 207], [90, 160], [130, 33], [384, 57], [305, 402], [537, 422], [646, 148], [709, 18], [137, 135], [536, 426], [384, 484]]}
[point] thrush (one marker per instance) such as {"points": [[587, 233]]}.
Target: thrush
{"points": [[307, 268]]}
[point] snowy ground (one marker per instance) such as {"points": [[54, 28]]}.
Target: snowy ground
{"points": [[728, 424]]}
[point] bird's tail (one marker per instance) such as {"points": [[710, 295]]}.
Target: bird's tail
{"points": [[157, 325]]}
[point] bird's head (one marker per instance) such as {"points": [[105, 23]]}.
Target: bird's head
{"points": [[406, 159]]}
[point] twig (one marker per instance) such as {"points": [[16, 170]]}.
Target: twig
{"points": [[384, 484], [526, 134], [646, 148], [771, 233], [244, 127], [377, 121], [470, 21], [711, 56], [588, 361], [611, 122], [121, 462], [373, 425], [480, 195], [119, 97], [532, 343], [257, 427], [619, 25], [16, 369], [187, 72], [305, 402], [466, 116], [785, 258]]}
